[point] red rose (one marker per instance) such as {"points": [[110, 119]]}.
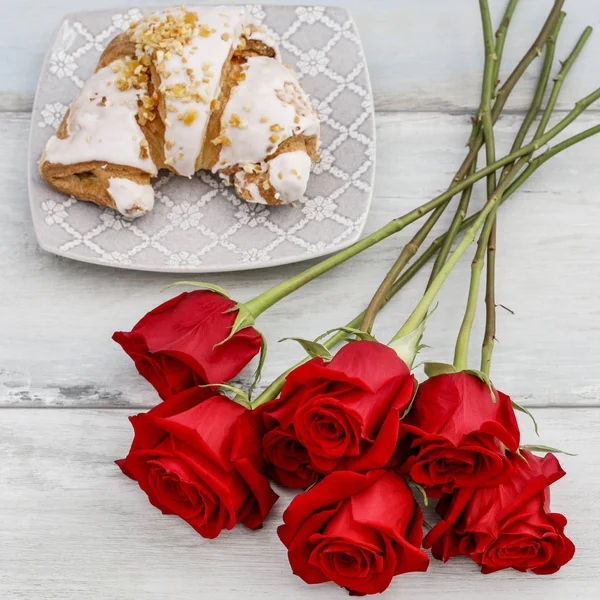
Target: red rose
{"points": [[175, 345], [509, 525], [346, 412], [197, 456], [358, 531], [457, 433], [288, 463]]}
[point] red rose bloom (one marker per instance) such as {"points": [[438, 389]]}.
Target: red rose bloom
{"points": [[508, 525], [358, 531], [288, 463], [457, 433], [175, 345], [198, 457], [346, 412]]}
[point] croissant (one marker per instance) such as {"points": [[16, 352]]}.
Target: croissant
{"points": [[186, 89]]}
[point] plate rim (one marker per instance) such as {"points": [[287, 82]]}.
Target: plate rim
{"points": [[249, 266]]}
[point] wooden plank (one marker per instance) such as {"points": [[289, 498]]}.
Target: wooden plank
{"points": [[422, 55], [73, 527], [58, 315]]}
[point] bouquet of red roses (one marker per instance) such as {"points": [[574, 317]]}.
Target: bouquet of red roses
{"points": [[354, 430]]}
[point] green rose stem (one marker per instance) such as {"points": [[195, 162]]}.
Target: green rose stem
{"points": [[490, 155], [462, 343], [501, 97], [487, 346], [505, 187], [493, 60]]}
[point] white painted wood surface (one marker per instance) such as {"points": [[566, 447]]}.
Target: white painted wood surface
{"points": [[73, 528]]}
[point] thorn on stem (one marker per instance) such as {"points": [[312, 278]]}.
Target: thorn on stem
{"points": [[512, 312]]}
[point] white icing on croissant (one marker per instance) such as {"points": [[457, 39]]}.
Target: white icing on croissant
{"points": [[190, 73], [102, 126], [288, 174], [268, 107], [131, 199]]}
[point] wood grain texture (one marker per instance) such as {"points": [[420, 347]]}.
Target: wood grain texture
{"points": [[58, 315], [422, 55], [73, 527]]}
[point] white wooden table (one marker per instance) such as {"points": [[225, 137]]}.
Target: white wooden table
{"points": [[72, 527]]}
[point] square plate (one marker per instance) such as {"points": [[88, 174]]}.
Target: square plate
{"points": [[198, 224]]}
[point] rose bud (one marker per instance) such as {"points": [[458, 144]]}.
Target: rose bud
{"points": [[197, 456], [178, 345], [345, 412], [288, 463], [508, 525], [356, 530], [458, 433]]}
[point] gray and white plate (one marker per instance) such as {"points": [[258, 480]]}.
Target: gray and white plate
{"points": [[198, 224]]}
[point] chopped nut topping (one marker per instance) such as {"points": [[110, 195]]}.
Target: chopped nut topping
{"points": [[276, 127], [169, 161], [215, 104], [225, 37], [144, 152], [223, 140], [280, 175], [234, 121], [190, 18], [178, 90], [190, 117], [122, 84], [296, 119], [266, 185], [204, 31], [171, 108], [247, 107], [88, 139], [264, 119], [274, 139]]}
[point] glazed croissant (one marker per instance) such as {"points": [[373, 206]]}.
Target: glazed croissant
{"points": [[186, 89]]}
